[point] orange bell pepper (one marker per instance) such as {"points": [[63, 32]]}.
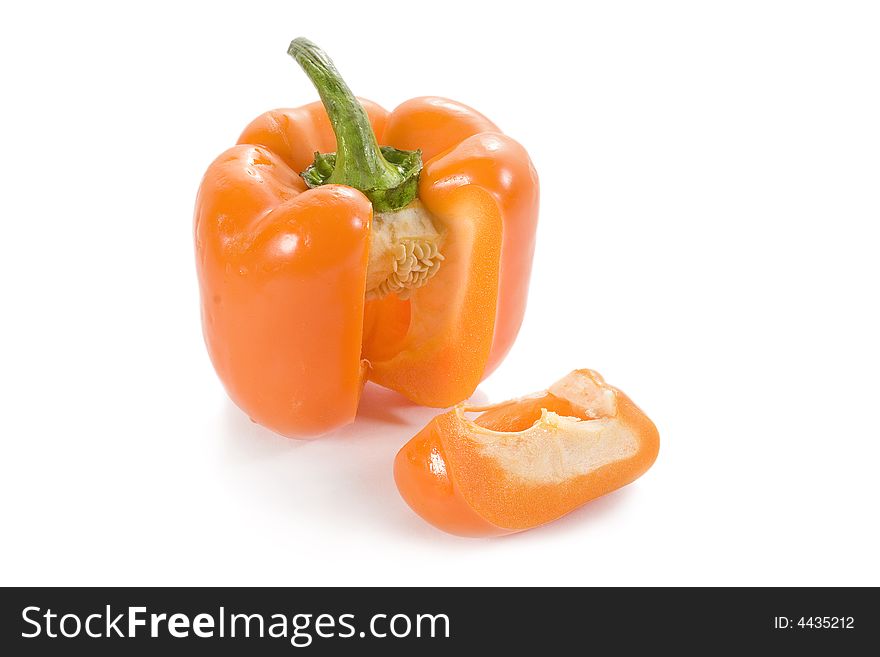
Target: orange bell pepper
{"points": [[527, 461], [324, 259]]}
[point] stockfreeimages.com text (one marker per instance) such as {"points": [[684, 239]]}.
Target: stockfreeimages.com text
{"points": [[300, 629]]}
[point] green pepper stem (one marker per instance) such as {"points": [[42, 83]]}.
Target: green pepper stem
{"points": [[359, 162]]}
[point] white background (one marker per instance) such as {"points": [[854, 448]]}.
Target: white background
{"points": [[708, 241]]}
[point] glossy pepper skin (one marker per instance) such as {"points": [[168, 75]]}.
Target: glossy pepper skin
{"points": [[282, 267], [525, 462]]}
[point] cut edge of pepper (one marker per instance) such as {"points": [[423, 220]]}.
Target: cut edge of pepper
{"points": [[606, 407]]}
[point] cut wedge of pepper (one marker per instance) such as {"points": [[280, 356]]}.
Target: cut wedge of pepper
{"points": [[528, 461]]}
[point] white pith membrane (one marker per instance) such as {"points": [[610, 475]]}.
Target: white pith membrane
{"points": [[558, 447], [404, 251]]}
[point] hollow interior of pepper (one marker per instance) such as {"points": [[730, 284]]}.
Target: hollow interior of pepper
{"points": [[524, 413], [386, 323]]}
